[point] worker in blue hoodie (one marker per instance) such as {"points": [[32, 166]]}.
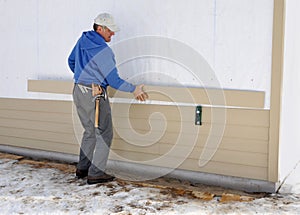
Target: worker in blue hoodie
{"points": [[93, 63]]}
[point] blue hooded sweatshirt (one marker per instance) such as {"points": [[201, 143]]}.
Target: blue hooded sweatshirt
{"points": [[93, 61]]}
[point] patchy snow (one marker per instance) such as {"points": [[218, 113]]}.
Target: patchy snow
{"points": [[37, 189]]}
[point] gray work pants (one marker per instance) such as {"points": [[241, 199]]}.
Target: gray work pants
{"points": [[96, 142]]}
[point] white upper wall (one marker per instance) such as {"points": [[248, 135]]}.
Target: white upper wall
{"points": [[290, 120], [233, 36]]}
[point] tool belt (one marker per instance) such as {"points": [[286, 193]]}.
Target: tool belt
{"points": [[96, 90]]}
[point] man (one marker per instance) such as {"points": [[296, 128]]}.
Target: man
{"points": [[93, 64]]}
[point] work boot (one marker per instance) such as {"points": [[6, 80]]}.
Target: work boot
{"points": [[100, 179], [81, 173]]}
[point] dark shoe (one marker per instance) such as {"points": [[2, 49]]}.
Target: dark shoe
{"points": [[100, 179], [81, 173]]}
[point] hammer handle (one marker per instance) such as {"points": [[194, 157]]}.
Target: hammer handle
{"points": [[97, 114]]}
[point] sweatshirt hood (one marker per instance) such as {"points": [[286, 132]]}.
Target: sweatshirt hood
{"points": [[92, 40]]}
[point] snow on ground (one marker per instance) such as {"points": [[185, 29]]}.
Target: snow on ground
{"points": [[27, 188]]}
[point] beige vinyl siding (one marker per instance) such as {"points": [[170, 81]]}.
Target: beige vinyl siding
{"points": [[37, 124], [244, 144], [59, 87], [33, 143], [221, 168], [48, 125], [239, 98]]}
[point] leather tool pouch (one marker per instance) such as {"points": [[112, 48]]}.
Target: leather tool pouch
{"points": [[96, 90]]}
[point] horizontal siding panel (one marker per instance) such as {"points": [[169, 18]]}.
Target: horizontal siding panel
{"points": [[50, 86], [244, 145], [253, 133], [234, 116], [253, 117], [165, 137], [240, 98], [234, 144], [39, 144], [120, 144], [65, 128], [142, 111], [134, 157], [36, 115], [38, 135], [221, 155], [214, 167], [259, 173], [224, 156], [65, 122], [50, 106]]}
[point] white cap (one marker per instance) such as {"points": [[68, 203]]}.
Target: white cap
{"points": [[105, 19]]}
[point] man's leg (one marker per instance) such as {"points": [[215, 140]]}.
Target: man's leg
{"points": [[104, 135], [87, 148], [85, 110]]}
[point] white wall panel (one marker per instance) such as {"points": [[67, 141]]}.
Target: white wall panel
{"points": [[18, 42], [233, 36], [243, 44]]}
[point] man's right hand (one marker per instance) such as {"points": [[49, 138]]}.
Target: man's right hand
{"points": [[139, 93]]}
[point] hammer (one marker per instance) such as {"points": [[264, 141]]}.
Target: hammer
{"points": [[97, 96]]}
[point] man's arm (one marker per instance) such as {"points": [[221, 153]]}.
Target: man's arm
{"points": [[106, 63], [116, 82]]}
